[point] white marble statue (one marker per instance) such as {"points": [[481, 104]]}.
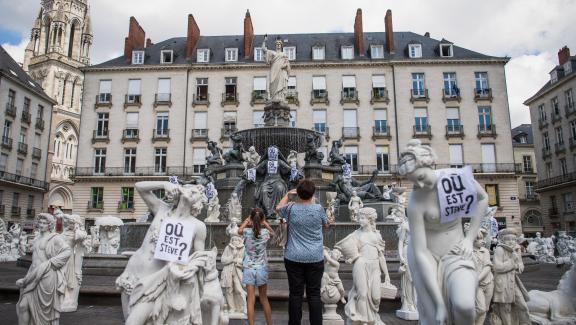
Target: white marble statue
{"points": [[213, 210], [251, 158], [23, 243], [155, 291], [5, 242], [485, 277], [15, 231], [365, 249], [95, 238], [542, 249], [41, 289], [439, 254], [510, 296], [399, 194], [408, 310], [231, 275], [331, 288], [292, 158], [109, 234], [397, 214], [354, 205], [566, 246], [331, 210], [279, 71], [234, 209], [556, 307], [75, 235]]}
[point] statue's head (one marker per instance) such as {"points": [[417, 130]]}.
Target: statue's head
{"points": [[45, 222], [336, 254], [71, 220], [507, 236], [479, 241], [191, 195], [354, 193], [252, 149], [236, 241], [538, 234], [278, 44], [367, 218], [416, 163]]}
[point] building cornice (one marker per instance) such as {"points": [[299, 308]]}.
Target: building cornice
{"points": [[27, 87], [541, 93]]}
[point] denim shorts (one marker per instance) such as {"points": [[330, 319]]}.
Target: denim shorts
{"points": [[255, 276]]}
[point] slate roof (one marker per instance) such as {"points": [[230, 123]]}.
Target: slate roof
{"points": [[304, 44], [11, 69], [549, 84], [523, 129]]}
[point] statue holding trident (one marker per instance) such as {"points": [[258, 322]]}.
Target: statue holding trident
{"points": [[279, 72]]}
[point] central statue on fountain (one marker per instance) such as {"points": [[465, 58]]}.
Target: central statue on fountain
{"points": [[272, 172]]}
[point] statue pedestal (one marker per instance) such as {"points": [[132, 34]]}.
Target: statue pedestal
{"points": [[407, 314], [330, 316], [388, 291], [236, 316]]}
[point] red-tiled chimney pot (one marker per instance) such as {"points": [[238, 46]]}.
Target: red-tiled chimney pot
{"points": [[135, 40], [248, 35], [192, 37], [149, 43], [389, 31], [359, 33], [563, 55]]}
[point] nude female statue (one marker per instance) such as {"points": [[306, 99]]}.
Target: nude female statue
{"points": [[439, 254]]}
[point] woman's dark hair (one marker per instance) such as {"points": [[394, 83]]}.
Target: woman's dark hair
{"points": [[256, 216], [306, 189]]}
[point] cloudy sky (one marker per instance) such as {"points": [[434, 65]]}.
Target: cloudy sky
{"points": [[529, 31]]}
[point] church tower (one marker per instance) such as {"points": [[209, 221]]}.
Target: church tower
{"points": [[60, 44]]}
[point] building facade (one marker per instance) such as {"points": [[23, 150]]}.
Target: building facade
{"points": [[555, 144], [152, 110], [26, 115], [59, 46]]}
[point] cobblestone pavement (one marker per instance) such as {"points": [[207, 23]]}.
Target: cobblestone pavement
{"points": [[105, 308]]}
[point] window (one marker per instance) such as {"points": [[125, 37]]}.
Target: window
{"points": [[380, 121], [377, 51], [133, 91], [318, 52], [259, 91], [482, 88], [382, 159], [26, 107], [19, 166], [22, 138], [546, 140], [529, 189], [160, 160], [418, 85], [203, 55], [164, 90], [258, 119], [542, 112], [421, 120], [559, 136], [3, 162], [201, 89], [230, 88], [349, 87], [415, 50], [347, 52], [102, 125], [105, 94], [488, 158], [456, 159], [11, 98], [258, 54], [555, 107], [568, 200], [379, 86], [200, 123], [15, 199], [493, 195], [450, 88], [132, 120], [130, 161], [569, 98], [319, 86], [127, 198], [99, 161], [30, 202], [548, 170], [351, 156], [527, 164], [563, 167], [291, 87], [446, 50], [198, 160], [319, 120], [573, 130], [485, 118], [290, 52], [162, 123], [230, 122], [137, 57], [33, 170], [7, 132], [293, 118], [40, 112], [453, 119], [350, 124], [231, 55], [97, 197], [166, 56]]}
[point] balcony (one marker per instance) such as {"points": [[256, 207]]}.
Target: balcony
{"points": [[26, 117], [225, 133], [483, 94], [10, 110], [18, 179], [570, 109], [258, 97], [487, 131], [559, 148], [379, 95], [36, 153], [292, 97], [199, 134], [454, 131], [95, 206], [556, 118], [22, 148], [419, 95], [528, 170], [369, 169], [162, 99], [546, 152], [15, 211], [319, 96], [100, 136], [480, 168], [132, 100], [558, 180], [381, 133], [124, 206], [530, 197], [39, 124], [138, 171], [422, 131], [542, 123], [161, 135], [452, 94], [200, 99], [572, 142], [349, 95], [130, 135], [6, 143], [352, 132], [103, 100], [229, 98], [30, 213]]}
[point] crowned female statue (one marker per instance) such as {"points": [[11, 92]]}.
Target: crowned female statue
{"points": [[279, 71]]}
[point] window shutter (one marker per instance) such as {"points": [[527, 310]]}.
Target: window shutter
{"points": [[200, 119], [382, 149], [258, 117], [420, 112], [456, 154], [292, 81], [351, 150], [488, 154], [229, 116], [134, 87], [452, 114], [105, 86], [260, 83], [319, 83], [350, 118], [378, 81], [163, 86], [132, 120], [199, 156], [319, 116], [380, 115], [349, 81]]}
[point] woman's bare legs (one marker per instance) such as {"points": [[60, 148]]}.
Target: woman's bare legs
{"points": [[250, 301], [263, 291]]}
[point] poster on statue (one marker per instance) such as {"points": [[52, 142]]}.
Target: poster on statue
{"points": [[210, 190], [251, 174], [272, 167], [457, 193], [346, 171], [175, 240], [293, 174], [272, 153], [173, 179]]}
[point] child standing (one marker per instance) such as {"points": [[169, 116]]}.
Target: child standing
{"points": [[255, 264]]}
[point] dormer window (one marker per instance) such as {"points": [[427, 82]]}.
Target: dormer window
{"points": [[567, 67], [415, 50], [318, 53], [166, 56], [137, 57], [203, 55], [290, 52], [554, 76], [377, 51], [258, 54], [231, 55], [347, 52], [446, 50]]}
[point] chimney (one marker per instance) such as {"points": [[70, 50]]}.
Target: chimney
{"points": [[135, 40], [389, 31], [149, 43], [193, 37], [248, 35], [359, 33], [563, 55], [427, 34]]}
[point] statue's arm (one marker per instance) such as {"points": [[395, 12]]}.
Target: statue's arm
{"points": [[227, 257], [476, 219], [146, 191], [501, 263], [401, 236], [63, 253], [199, 237]]}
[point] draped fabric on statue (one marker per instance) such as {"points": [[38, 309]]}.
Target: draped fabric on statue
{"points": [[278, 73]]}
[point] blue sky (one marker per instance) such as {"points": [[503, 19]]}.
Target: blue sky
{"points": [[8, 36]]}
